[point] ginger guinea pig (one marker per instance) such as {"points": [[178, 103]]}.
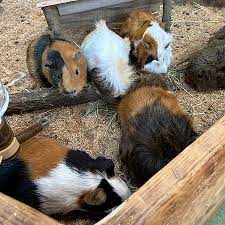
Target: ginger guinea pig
{"points": [[151, 44], [56, 180], [107, 56], [154, 131], [58, 63]]}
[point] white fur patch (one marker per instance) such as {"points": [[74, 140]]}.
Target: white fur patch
{"points": [[109, 52], [164, 52], [61, 189], [4, 100]]}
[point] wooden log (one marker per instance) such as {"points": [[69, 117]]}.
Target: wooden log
{"points": [[47, 98], [187, 191], [13, 212]]}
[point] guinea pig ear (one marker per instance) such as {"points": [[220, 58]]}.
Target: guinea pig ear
{"points": [[77, 55], [95, 197], [107, 165], [147, 44], [49, 64]]}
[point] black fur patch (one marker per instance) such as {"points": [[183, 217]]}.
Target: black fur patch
{"points": [[104, 90], [112, 199], [81, 161], [56, 66], [16, 183], [43, 42], [153, 138]]}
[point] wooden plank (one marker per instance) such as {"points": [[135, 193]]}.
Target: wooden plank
{"points": [[13, 212], [187, 191], [86, 5], [110, 13], [45, 3]]}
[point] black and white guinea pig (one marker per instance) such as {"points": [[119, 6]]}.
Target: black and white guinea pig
{"points": [[107, 56], [58, 63], [154, 131], [56, 180]]}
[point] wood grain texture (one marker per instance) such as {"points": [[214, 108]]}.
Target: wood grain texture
{"points": [[44, 3], [187, 191], [111, 14], [86, 5], [47, 98], [13, 212]]}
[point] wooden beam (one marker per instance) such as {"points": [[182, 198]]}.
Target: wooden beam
{"points": [[13, 212], [45, 3], [114, 13], [47, 98], [187, 191], [86, 5], [167, 13]]}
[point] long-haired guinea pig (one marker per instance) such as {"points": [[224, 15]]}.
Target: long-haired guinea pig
{"points": [[206, 69], [151, 44], [154, 131], [56, 180], [58, 63], [107, 56]]}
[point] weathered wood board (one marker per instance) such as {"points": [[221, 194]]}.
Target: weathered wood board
{"points": [[13, 212], [86, 5], [84, 13]]}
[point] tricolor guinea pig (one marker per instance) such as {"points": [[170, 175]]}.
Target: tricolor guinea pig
{"points": [[58, 63], [56, 180], [107, 56], [154, 131], [151, 44]]}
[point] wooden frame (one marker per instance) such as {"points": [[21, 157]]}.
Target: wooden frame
{"points": [[83, 13], [187, 191]]}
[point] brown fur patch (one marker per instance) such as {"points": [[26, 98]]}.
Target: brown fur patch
{"points": [[134, 102], [96, 197], [31, 63], [41, 155], [134, 27], [136, 24], [147, 47], [68, 51]]}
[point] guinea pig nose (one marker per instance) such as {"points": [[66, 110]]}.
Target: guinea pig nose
{"points": [[70, 92]]}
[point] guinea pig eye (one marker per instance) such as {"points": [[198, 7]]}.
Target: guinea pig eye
{"points": [[200, 76], [77, 72]]}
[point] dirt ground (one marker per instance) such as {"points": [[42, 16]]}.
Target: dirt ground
{"points": [[93, 126]]}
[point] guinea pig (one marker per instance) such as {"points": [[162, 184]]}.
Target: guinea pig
{"points": [[154, 131], [206, 69], [152, 45], [56, 180], [107, 56], [58, 63]]}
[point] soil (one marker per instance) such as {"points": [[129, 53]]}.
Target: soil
{"points": [[94, 126]]}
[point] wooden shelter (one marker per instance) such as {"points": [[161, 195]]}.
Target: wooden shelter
{"points": [[83, 13]]}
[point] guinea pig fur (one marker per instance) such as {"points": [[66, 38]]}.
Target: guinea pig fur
{"points": [[56, 180], [58, 63], [108, 53], [152, 45], [154, 131]]}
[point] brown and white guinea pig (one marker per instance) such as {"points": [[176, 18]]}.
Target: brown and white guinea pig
{"points": [[206, 69], [154, 131], [107, 56], [58, 63], [151, 44], [56, 180]]}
